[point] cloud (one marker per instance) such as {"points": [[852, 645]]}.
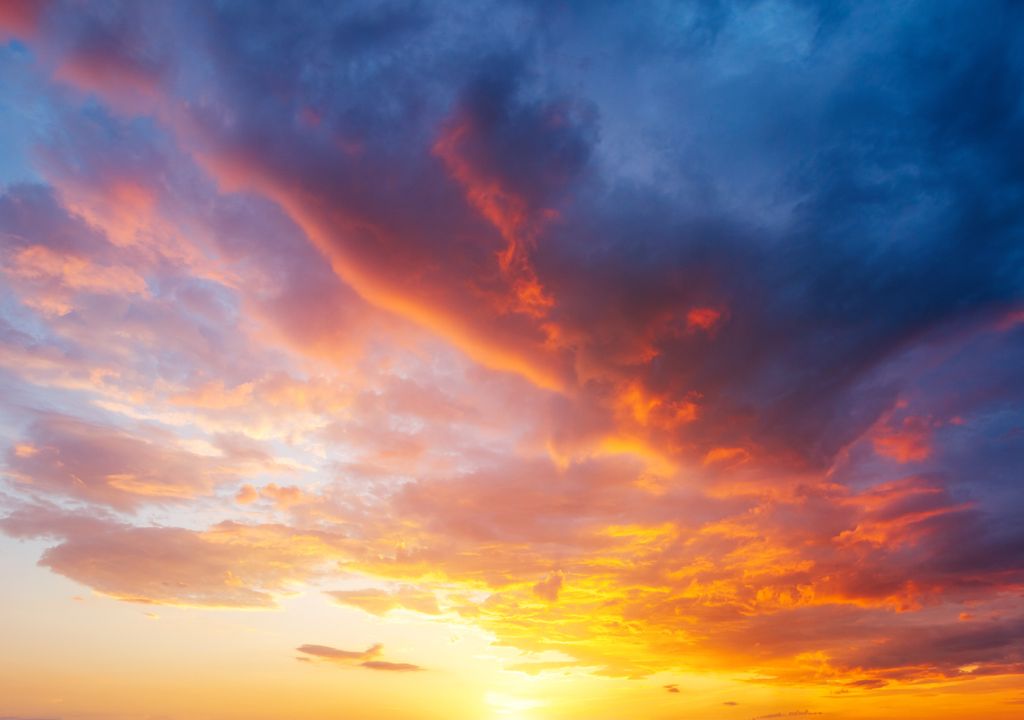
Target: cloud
{"points": [[229, 565], [20, 18], [329, 653], [458, 308], [364, 658], [991, 646], [389, 666], [538, 667], [908, 443], [67, 456], [548, 588], [283, 497], [380, 602]]}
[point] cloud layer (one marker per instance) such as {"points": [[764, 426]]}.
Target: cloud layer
{"points": [[667, 339]]}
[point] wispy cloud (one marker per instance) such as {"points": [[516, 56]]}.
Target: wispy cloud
{"points": [[358, 658]]}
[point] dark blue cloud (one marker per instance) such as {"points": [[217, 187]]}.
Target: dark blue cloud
{"points": [[844, 179]]}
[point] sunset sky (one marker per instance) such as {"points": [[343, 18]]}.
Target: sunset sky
{"points": [[519, 360]]}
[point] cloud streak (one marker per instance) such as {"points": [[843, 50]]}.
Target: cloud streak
{"points": [[365, 658]]}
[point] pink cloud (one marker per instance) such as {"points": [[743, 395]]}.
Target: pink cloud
{"points": [[67, 456], [229, 565], [21, 18]]}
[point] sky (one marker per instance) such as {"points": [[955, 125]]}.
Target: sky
{"points": [[519, 360]]}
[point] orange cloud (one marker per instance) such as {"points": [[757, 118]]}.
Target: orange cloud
{"points": [[321, 225], [53, 278], [509, 214], [380, 602], [909, 442], [732, 455], [247, 495], [283, 497], [702, 318]]}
